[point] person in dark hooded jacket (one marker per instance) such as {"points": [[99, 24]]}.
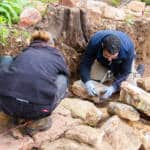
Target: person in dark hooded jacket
{"points": [[114, 53], [34, 82]]}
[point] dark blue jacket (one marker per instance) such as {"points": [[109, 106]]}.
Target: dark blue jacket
{"points": [[32, 74], [121, 66]]}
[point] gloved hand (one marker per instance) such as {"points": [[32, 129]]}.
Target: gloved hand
{"points": [[109, 91], [90, 88]]}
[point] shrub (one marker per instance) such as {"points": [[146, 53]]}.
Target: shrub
{"points": [[115, 2], [10, 10]]}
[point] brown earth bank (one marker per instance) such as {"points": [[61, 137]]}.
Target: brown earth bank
{"points": [[82, 122], [71, 29]]}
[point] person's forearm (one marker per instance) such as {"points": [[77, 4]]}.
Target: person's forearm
{"points": [[84, 73]]}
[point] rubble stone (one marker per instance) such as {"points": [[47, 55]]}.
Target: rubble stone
{"points": [[136, 97], [124, 111], [84, 110], [65, 144], [78, 89], [30, 16], [117, 135], [144, 83], [136, 6], [84, 134]]}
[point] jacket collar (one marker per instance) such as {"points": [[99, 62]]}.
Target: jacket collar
{"points": [[38, 43]]}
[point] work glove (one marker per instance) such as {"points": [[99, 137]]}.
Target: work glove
{"points": [[90, 88], [108, 92]]}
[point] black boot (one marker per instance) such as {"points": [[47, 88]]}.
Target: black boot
{"points": [[38, 125]]}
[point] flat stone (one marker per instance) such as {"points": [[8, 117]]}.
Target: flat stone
{"points": [[117, 135], [142, 128], [144, 83], [136, 97], [65, 144], [84, 110], [79, 90], [113, 13], [124, 111], [84, 134], [7, 142], [136, 6], [69, 3], [60, 124], [29, 16]]}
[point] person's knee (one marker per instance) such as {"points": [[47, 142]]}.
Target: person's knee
{"points": [[62, 80], [6, 60]]}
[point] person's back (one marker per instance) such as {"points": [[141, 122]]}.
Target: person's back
{"points": [[35, 67]]}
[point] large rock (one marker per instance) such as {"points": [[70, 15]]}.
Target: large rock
{"points": [[41, 7], [114, 13], [146, 140], [96, 4], [136, 6], [9, 143], [61, 110], [30, 16], [143, 130], [146, 12], [84, 110], [105, 113], [94, 14], [117, 135], [84, 134], [70, 3], [136, 97], [78, 88], [94, 11], [60, 124], [123, 111], [65, 144], [144, 83]]}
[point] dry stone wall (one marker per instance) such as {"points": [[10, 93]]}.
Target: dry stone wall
{"points": [[84, 123]]}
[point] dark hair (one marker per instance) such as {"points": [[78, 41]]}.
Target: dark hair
{"points": [[112, 44]]}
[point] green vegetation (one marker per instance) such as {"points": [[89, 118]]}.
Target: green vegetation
{"points": [[129, 20], [12, 33], [9, 14], [49, 1], [4, 33], [146, 1], [10, 10], [115, 2]]}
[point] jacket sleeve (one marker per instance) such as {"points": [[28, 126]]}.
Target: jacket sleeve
{"points": [[126, 67], [87, 61]]}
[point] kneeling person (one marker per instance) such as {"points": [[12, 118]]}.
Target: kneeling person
{"points": [[34, 83], [115, 53]]}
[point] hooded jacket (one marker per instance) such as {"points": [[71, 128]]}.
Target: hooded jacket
{"points": [[32, 74], [120, 67]]}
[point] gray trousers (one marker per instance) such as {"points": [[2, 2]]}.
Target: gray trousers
{"points": [[62, 87], [102, 74]]}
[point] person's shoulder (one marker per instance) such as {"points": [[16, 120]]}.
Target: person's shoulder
{"points": [[55, 51], [122, 34]]}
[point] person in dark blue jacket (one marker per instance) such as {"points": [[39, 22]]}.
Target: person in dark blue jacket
{"points": [[34, 82], [115, 51]]}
